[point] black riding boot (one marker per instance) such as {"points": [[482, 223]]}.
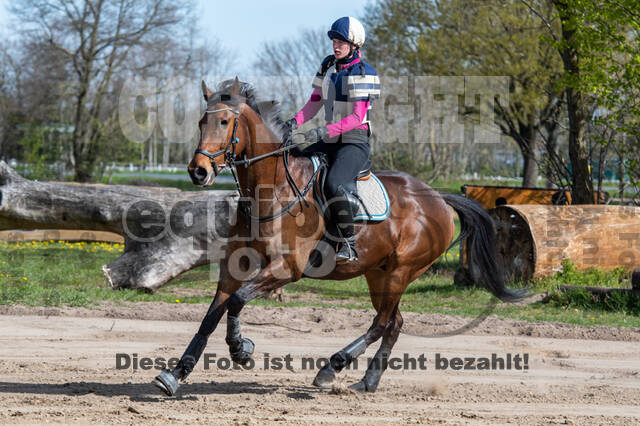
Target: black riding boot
{"points": [[342, 215]]}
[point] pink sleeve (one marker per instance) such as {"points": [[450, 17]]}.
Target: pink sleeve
{"points": [[351, 121], [311, 108]]}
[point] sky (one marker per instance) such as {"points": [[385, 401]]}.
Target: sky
{"points": [[243, 25]]}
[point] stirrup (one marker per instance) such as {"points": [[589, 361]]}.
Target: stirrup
{"points": [[346, 253]]}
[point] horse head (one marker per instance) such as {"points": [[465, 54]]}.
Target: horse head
{"points": [[223, 133]]}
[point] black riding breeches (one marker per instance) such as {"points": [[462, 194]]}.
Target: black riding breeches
{"points": [[347, 156]]}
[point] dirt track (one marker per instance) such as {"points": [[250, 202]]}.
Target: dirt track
{"points": [[59, 366]]}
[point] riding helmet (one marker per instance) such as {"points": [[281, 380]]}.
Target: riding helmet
{"points": [[348, 29]]}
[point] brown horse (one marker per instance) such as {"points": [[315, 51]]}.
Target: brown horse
{"points": [[392, 253]]}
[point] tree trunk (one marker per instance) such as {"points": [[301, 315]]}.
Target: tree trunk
{"points": [[581, 184], [577, 108], [530, 173], [621, 183], [529, 153], [166, 232]]}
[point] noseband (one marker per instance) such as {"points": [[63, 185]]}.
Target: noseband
{"points": [[229, 156]]}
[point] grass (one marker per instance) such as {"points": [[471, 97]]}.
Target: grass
{"points": [[620, 302], [55, 273]]}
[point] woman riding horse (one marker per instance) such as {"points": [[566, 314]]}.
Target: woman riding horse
{"points": [[263, 254], [346, 85]]}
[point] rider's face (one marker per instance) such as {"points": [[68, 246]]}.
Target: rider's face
{"points": [[341, 48]]}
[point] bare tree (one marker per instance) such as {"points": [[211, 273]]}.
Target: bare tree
{"points": [[293, 63], [95, 37]]}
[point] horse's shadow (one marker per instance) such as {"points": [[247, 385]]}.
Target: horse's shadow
{"points": [[146, 392]]}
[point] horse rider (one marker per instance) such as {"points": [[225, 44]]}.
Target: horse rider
{"points": [[346, 86]]}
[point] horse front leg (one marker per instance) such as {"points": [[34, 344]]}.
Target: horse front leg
{"points": [[167, 381], [241, 348]]}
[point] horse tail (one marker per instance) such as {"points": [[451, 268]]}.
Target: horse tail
{"points": [[476, 227]]}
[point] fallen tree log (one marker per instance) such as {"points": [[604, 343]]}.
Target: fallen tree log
{"points": [[165, 232]]}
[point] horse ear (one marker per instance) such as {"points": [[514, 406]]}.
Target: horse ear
{"points": [[235, 89], [205, 91]]}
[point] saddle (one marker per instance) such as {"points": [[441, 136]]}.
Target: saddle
{"points": [[367, 194]]}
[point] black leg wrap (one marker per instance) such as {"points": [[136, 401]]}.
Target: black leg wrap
{"points": [[240, 348], [339, 361], [167, 381], [191, 356], [242, 352], [235, 305], [377, 366]]}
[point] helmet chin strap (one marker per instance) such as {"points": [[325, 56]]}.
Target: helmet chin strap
{"points": [[352, 51]]}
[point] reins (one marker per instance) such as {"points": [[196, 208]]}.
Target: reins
{"points": [[229, 153]]}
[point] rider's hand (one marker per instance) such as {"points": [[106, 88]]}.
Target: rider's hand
{"points": [[316, 135], [289, 127], [291, 124]]}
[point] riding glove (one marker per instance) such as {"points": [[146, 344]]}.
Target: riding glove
{"points": [[291, 124], [316, 135]]}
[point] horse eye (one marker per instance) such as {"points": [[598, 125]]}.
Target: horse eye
{"points": [[224, 122]]}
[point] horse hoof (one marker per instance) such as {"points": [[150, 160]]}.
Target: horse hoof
{"points": [[359, 386], [243, 354], [325, 377], [166, 382]]}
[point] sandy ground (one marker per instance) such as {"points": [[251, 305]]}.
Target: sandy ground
{"points": [[59, 365]]}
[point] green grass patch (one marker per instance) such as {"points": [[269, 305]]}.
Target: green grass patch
{"points": [[69, 274], [580, 299]]}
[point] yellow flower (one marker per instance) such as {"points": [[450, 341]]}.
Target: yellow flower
{"points": [[177, 300], [24, 278]]}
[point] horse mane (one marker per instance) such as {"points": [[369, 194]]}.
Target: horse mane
{"points": [[267, 109]]}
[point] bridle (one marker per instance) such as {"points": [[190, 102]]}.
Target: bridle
{"points": [[229, 156], [229, 153]]}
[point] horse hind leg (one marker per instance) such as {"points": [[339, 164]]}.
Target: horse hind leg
{"points": [[386, 292], [378, 364], [384, 301], [346, 355]]}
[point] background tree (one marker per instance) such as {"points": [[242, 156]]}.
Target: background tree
{"points": [[67, 67], [456, 37], [95, 38], [290, 65], [600, 51]]}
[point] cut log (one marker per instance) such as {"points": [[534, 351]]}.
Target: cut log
{"points": [[165, 232], [491, 196], [533, 240]]}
